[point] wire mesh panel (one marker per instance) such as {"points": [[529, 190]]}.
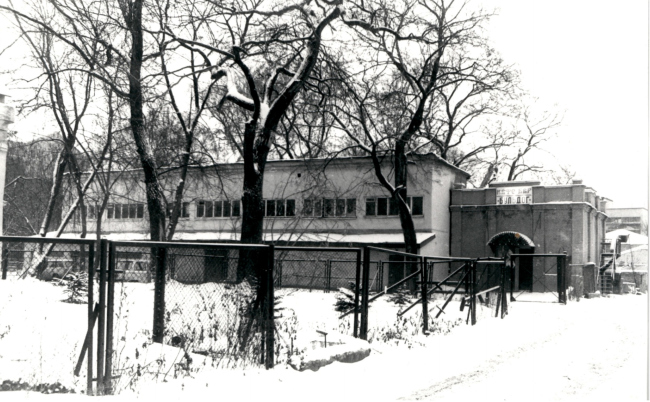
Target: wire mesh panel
{"points": [[315, 268], [181, 306], [43, 313]]}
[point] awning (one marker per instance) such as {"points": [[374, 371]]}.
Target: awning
{"points": [[374, 238]]}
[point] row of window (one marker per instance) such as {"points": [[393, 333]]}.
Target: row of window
{"points": [[383, 206], [217, 209], [316, 207]]}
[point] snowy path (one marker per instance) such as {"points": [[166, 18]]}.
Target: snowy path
{"points": [[591, 355], [588, 350]]}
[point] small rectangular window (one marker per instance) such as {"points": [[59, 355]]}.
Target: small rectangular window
{"points": [[226, 208], [185, 211], [279, 207], [132, 211], [109, 211], [140, 211], [291, 208], [307, 207], [318, 208], [270, 208], [118, 211], [393, 208], [91, 211], [417, 207], [236, 208], [217, 209], [340, 207], [382, 206], [209, 209], [351, 207], [370, 207], [328, 209], [200, 209]]}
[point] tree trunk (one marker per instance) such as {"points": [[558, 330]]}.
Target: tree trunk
{"points": [[252, 205], [57, 177], [154, 194]]}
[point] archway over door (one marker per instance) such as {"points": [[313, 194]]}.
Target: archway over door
{"points": [[506, 243]]}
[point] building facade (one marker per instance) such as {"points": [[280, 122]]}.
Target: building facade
{"points": [[549, 219], [317, 202]]}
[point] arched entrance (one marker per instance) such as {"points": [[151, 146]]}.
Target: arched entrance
{"points": [[506, 243]]}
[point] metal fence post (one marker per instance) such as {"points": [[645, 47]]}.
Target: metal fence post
{"points": [[357, 281], [503, 290], [473, 291], [363, 330], [328, 276], [159, 295], [270, 313], [561, 285], [91, 318], [101, 318], [424, 288], [5, 260], [511, 269], [108, 371]]}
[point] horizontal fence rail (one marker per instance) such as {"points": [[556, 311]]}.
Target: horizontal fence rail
{"points": [[217, 302]]}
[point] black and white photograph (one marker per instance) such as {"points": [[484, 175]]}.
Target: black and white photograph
{"points": [[324, 200]]}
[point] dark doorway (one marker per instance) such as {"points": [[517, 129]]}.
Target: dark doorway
{"points": [[526, 270], [507, 243]]}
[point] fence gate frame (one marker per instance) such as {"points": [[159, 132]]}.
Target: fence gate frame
{"points": [[93, 311], [561, 272]]}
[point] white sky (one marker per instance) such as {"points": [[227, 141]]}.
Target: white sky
{"points": [[590, 57]]}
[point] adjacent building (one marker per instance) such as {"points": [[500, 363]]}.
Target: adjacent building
{"points": [[527, 218], [632, 219]]}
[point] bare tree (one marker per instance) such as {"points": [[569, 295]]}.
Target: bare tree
{"points": [[531, 131], [416, 49]]}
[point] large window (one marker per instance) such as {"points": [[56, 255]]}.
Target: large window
{"points": [[185, 210], [330, 207], [218, 209], [280, 207], [121, 211], [385, 206]]}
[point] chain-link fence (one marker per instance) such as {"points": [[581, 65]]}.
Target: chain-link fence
{"points": [[316, 268], [189, 306], [544, 274], [43, 313]]}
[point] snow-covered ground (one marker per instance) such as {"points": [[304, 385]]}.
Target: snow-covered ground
{"points": [[541, 351]]}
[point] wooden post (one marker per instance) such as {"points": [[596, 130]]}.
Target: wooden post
{"points": [[357, 281], [5, 261], [158, 333], [363, 330], [424, 289], [87, 347]]}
